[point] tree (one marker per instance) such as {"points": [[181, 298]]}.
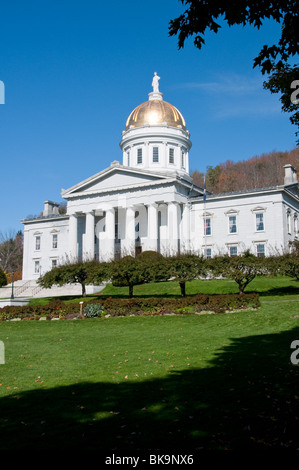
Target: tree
{"points": [[241, 269], [183, 268], [213, 175], [11, 251], [285, 80], [260, 171], [98, 272], [126, 271], [80, 272], [3, 279], [153, 266], [289, 265], [203, 15], [198, 178]]}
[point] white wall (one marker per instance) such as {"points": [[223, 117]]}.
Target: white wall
{"points": [[44, 228], [272, 204]]}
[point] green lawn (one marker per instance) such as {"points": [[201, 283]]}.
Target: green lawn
{"points": [[155, 383], [269, 288]]}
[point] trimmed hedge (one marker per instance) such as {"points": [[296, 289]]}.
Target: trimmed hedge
{"points": [[137, 306], [183, 305]]}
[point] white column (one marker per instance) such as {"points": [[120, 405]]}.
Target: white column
{"points": [[152, 227], [89, 237], [173, 227], [187, 162], [110, 234], [185, 229], [128, 245], [73, 237]]}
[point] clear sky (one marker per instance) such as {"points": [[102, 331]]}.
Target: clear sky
{"points": [[73, 71]]}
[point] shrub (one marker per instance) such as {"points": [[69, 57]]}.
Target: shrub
{"points": [[3, 279], [184, 305], [227, 302], [93, 310], [136, 306]]}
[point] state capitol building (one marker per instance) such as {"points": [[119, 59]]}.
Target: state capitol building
{"points": [[149, 202]]}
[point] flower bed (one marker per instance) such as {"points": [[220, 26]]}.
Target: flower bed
{"points": [[114, 307]]}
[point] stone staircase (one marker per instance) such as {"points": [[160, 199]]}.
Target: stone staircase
{"points": [[30, 289]]}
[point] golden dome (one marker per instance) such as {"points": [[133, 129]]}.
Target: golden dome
{"points": [[155, 112]]}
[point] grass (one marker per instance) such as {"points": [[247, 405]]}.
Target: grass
{"points": [[273, 288], [155, 383]]}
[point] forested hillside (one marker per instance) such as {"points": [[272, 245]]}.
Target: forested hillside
{"points": [[257, 172]]}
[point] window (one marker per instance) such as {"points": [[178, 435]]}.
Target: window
{"points": [[54, 240], [296, 224], [260, 250], [233, 251], [259, 220], [128, 158], [232, 224], [289, 222], [207, 226], [54, 263], [208, 253], [37, 242], [36, 267], [139, 155], [155, 154], [171, 155]]}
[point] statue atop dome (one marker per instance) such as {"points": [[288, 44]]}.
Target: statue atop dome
{"points": [[155, 83]]}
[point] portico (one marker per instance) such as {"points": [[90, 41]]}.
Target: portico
{"points": [[113, 231]]}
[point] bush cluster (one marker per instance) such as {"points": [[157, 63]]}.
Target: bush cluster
{"points": [[183, 305], [134, 306], [93, 310], [3, 278], [54, 309]]}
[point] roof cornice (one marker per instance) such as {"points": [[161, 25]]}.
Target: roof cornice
{"points": [[161, 178]]}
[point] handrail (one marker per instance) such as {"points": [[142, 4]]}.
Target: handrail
{"points": [[20, 289]]}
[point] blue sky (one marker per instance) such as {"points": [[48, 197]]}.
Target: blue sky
{"points": [[73, 71]]}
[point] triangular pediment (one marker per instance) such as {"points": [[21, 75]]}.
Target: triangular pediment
{"points": [[116, 177]]}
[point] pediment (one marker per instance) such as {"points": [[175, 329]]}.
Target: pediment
{"points": [[116, 177], [232, 212], [258, 209]]}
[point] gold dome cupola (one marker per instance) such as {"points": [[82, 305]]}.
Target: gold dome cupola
{"points": [[155, 136]]}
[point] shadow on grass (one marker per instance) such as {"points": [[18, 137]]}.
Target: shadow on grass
{"points": [[246, 399], [282, 291]]}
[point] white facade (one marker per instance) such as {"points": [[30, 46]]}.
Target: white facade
{"points": [[148, 202]]}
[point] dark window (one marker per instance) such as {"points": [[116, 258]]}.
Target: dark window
{"points": [[139, 156], [155, 154]]}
